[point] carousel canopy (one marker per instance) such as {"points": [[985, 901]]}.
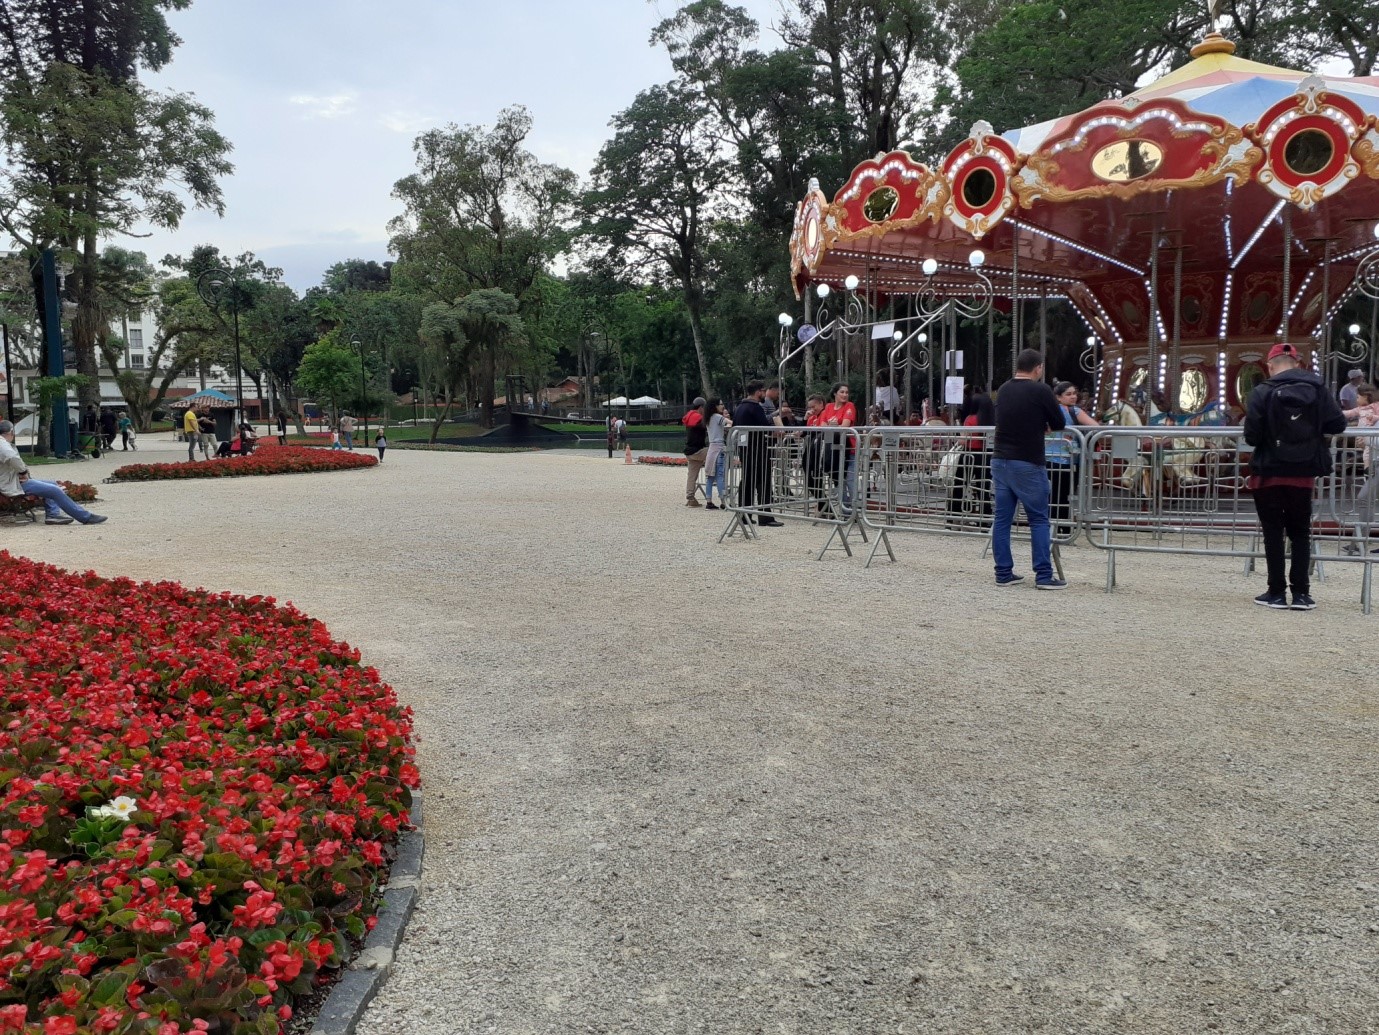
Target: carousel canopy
{"points": [[1228, 200]]}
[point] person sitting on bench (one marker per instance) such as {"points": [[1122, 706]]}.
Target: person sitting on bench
{"points": [[15, 480]]}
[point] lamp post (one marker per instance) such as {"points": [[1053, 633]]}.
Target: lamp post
{"points": [[212, 285], [363, 391]]}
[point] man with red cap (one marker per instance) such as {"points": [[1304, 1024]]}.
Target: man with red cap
{"points": [[1287, 419]]}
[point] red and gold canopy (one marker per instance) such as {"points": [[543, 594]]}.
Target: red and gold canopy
{"points": [[1185, 191]]}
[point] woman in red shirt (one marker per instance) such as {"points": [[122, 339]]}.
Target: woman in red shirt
{"points": [[842, 414]]}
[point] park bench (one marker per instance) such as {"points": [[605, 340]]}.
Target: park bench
{"points": [[19, 507]]}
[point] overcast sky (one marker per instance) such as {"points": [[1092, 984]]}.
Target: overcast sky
{"points": [[323, 98]]}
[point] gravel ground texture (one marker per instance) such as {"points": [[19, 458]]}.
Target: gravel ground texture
{"points": [[676, 786]]}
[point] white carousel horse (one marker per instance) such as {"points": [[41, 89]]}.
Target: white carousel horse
{"points": [[1136, 474]]}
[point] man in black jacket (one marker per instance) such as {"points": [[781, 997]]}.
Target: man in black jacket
{"points": [[755, 490], [1287, 419]]}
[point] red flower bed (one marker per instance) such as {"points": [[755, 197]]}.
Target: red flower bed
{"points": [[664, 461], [271, 460], [197, 796]]}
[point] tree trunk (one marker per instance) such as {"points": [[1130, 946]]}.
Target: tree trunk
{"points": [[487, 371], [86, 324], [696, 329]]}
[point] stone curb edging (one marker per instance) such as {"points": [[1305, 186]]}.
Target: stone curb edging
{"points": [[368, 971]]}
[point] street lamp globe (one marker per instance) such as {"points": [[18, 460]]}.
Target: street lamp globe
{"points": [[851, 282], [930, 267], [1354, 329], [785, 319], [977, 259], [822, 290]]}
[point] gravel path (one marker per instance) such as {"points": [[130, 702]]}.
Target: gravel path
{"points": [[674, 786]]}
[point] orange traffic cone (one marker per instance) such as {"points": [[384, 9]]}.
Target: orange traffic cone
{"points": [[627, 456]]}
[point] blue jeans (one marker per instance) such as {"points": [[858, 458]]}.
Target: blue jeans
{"points": [[348, 437], [849, 481], [55, 501], [1019, 481], [717, 474]]}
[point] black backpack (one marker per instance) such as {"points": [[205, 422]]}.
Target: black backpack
{"points": [[1295, 421]]}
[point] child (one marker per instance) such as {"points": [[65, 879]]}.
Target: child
{"points": [[335, 440], [381, 443]]}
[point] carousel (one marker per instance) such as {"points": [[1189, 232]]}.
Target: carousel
{"points": [[1192, 224]]}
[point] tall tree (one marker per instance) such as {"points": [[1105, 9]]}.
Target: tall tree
{"points": [[480, 212], [89, 150], [657, 187]]}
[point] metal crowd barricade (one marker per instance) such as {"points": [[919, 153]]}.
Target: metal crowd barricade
{"points": [[791, 474], [936, 479], [1183, 490]]}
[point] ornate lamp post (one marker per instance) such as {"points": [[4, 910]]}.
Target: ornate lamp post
{"points": [[213, 286], [363, 390]]}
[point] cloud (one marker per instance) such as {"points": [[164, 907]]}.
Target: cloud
{"points": [[333, 107], [405, 121]]}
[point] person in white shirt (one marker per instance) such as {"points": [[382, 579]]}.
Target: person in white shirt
{"points": [[15, 480], [1350, 391]]}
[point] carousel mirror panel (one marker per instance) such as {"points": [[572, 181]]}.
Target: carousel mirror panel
{"points": [[1192, 391], [1250, 375]]}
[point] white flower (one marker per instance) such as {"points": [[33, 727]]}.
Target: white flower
{"points": [[121, 808]]}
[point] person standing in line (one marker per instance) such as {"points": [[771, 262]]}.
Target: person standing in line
{"points": [[1061, 454], [15, 480], [1366, 415], [1350, 391], [620, 429], [696, 448], [1287, 420], [716, 459], [612, 435], [127, 433], [380, 442], [107, 420], [282, 428], [1025, 411], [770, 401], [191, 431], [815, 462], [347, 430], [840, 413], [755, 490]]}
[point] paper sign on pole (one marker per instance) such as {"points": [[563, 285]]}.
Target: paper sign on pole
{"points": [[952, 390], [952, 359]]}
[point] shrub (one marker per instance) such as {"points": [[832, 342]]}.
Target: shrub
{"points": [[664, 461], [198, 793]]}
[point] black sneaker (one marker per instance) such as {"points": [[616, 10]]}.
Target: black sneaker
{"points": [[1303, 602], [61, 520], [1277, 601], [1009, 580], [710, 505], [95, 519], [1051, 584]]}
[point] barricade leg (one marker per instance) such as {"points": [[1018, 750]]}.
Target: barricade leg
{"points": [[882, 539], [1367, 588]]}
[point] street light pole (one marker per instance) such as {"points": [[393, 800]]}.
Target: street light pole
{"points": [[211, 286], [363, 391]]}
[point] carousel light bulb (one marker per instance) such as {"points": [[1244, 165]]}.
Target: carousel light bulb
{"points": [[852, 282], [977, 259], [785, 319], [930, 267], [822, 290], [1091, 341]]}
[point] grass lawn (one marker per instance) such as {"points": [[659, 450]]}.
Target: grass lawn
{"points": [[421, 433]]}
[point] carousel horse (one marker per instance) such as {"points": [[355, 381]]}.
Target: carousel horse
{"points": [[1187, 453], [1123, 414]]}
